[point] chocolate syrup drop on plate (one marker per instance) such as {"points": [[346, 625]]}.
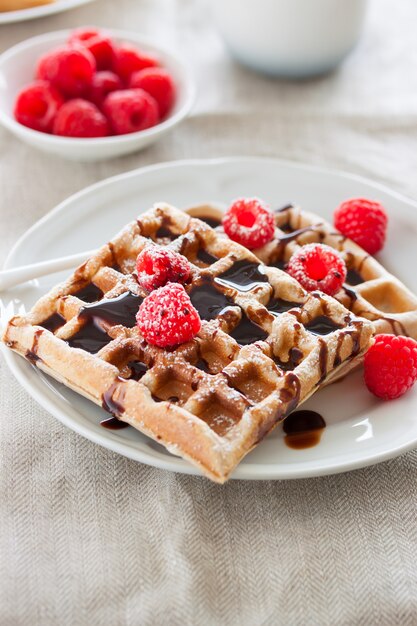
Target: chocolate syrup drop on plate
{"points": [[276, 306], [322, 325], [303, 429], [89, 293], [53, 322], [112, 423], [209, 301], [243, 275], [247, 332]]}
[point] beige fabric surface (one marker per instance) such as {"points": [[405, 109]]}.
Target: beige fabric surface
{"points": [[89, 537]]}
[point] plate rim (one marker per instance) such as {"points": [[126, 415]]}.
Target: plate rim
{"points": [[32, 13], [252, 471]]}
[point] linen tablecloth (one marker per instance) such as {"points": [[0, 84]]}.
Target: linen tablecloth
{"points": [[90, 537]]}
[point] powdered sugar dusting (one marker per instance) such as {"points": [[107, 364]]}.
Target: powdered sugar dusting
{"points": [[167, 317]]}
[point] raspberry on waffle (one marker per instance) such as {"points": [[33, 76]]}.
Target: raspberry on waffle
{"points": [[265, 344], [370, 290]]}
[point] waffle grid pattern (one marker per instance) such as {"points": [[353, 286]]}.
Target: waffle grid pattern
{"points": [[370, 291], [265, 345]]}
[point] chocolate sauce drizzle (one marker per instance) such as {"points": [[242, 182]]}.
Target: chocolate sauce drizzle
{"points": [[276, 306], [291, 392], [213, 222], [165, 233], [303, 429], [322, 325], [138, 369], [244, 275], [89, 293], [91, 337], [284, 240], [279, 264], [53, 322], [202, 365], [206, 257], [286, 207], [295, 356], [119, 310], [114, 407], [98, 317], [351, 294], [32, 354], [247, 332], [209, 301], [354, 278], [323, 355]]}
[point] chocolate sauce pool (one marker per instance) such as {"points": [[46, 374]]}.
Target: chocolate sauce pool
{"points": [[209, 301], [98, 317], [303, 429], [244, 275], [247, 332]]}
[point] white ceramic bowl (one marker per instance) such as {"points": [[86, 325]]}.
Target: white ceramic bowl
{"points": [[17, 67], [294, 38]]}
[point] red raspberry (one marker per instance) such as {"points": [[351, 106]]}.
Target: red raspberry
{"points": [[167, 317], [37, 105], [79, 118], [68, 69], [157, 266], [128, 59], [159, 84], [363, 221], [391, 366], [317, 266], [249, 221], [102, 84], [130, 110], [100, 46]]}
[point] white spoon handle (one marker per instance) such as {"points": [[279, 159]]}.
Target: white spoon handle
{"points": [[17, 275]]}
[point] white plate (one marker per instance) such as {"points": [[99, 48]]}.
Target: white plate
{"points": [[9, 17], [360, 429]]}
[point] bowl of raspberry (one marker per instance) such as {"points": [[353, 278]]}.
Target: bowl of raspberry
{"points": [[91, 94]]}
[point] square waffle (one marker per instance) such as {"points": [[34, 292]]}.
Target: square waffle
{"points": [[264, 347], [370, 290]]}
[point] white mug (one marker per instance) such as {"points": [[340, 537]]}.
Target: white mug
{"points": [[294, 38]]}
